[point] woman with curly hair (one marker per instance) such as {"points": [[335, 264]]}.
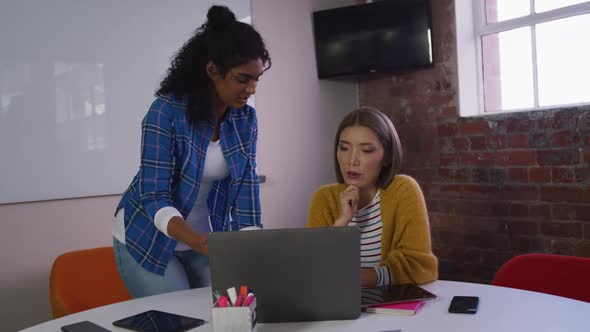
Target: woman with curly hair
{"points": [[197, 172]]}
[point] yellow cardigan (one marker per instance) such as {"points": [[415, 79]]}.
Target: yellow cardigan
{"points": [[405, 243]]}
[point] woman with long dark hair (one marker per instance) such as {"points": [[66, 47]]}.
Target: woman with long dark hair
{"points": [[198, 160]]}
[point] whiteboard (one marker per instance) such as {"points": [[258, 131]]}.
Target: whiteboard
{"points": [[76, 78]]}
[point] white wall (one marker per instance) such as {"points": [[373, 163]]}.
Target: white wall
{"points": [[298, 114], [40, 33], [298, 117], [79, 82]]}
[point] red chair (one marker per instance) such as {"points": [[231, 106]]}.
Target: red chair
{"points": [[85, 279], [566, 276]]}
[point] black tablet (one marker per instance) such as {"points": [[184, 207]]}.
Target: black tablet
{"points": [[158, 321], [394, 294], [85, 326]]}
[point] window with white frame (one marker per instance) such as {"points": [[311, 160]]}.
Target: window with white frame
{"points": [[517, 55]]}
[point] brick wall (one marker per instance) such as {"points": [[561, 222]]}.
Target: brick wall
{"points": [[496, 186]]}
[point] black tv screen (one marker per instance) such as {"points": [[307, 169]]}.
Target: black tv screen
{"points": [[377, 37]]}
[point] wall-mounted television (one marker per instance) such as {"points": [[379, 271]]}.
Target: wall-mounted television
{"points": [[376, 37]]}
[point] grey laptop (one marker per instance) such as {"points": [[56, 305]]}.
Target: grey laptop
{"points": [[305, 274]]}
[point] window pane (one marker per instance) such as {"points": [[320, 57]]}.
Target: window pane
{"points": [[507, 70], [546, 5], [502, 10], [562, 60]]}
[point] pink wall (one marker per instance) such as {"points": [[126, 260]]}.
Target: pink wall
{"points": [[33, 234], [298, 114]]}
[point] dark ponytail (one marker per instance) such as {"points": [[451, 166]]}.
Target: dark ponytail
{"points": [[219, 17], [223, 40]]}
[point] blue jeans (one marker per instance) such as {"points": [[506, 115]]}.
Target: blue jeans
{"points": [[186, 269]]}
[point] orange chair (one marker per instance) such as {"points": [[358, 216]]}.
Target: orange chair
{"points": [[85, 279], [559, 275]]}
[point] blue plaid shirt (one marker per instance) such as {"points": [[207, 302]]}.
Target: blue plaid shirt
{"points": [[173, 153]]}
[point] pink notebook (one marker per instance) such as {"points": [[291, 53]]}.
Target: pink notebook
{"points": [[406, 308]]}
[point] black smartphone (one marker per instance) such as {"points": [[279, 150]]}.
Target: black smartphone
{"points": [[85, 326], [158, 321], [464, 304]]}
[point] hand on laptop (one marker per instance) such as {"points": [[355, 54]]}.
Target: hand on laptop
{"points": [[203, 244], [349, 199], [181, 231]]}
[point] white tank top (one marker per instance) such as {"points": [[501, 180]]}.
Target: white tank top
{"points": [[215, 169]]}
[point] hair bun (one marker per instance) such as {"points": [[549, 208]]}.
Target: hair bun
{"points": [[219, 17]]}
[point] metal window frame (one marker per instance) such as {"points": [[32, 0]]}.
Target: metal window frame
{"points": [[482, 28]]}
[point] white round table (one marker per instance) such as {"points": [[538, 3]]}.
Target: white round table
{"points": [[500, 310]]}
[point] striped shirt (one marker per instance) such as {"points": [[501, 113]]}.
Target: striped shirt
{"points": [[368, 219]]}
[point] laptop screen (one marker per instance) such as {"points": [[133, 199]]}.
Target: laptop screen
{"points": [[304, 274]]}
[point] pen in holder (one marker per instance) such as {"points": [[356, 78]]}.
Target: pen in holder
{"points": [[237, 314]]}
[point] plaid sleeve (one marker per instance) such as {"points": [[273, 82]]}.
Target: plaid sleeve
{"points": [[246, 211], [157, 163]]}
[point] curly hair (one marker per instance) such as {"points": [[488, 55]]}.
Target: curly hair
{"points": [[222, 40]]}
